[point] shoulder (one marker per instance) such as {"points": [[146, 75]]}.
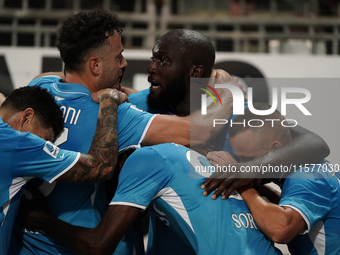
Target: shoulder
{"points": [[10, 136], [310, 183], [158, 156], [128, 110], [45, 79], [140, 94]]}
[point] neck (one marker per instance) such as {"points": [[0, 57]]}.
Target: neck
{"points": [[10, 117], [82, 79], [183, 109]]}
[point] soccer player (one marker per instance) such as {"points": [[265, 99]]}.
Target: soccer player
{"points": [[170, 77], [25, 155], [90, 46], [166, 178], [309, 209], [174, 61]]}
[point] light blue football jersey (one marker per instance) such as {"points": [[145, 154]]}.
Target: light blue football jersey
{"points": [[81, 204], [140, 100], [23, 157], [157, 245], [314, 193], [167, 178]]}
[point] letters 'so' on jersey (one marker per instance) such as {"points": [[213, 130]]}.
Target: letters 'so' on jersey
{"points": [[165, 177], [82, 204], [314, 192], [25, 156]]}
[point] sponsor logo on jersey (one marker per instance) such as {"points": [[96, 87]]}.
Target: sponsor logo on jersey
{"points": [[51, 149]]}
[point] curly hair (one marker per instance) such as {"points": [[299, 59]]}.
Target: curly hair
{"points": [[43, 104], [83, 32]]}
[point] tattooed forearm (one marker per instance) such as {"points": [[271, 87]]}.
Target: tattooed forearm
{"points": [[101, 159]]}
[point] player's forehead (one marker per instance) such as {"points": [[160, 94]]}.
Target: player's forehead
{"points": [[244, 142], [116, 45], [246, 135], [165, 47]]}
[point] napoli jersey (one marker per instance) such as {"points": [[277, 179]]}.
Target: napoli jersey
{"points": [[162, 177], [24, 156], [81, 204], [140, 100], [314, 193]]}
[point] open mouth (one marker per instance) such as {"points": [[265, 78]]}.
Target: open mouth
{"points": [[153, 84], [121, 77]]}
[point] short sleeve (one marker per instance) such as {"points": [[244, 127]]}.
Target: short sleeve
{"points": [[133, 124], [36, 157], [144, 174], [139, 99], [309, 196]]}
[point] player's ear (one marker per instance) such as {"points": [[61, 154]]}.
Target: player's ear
{"points": [[94, 65], [196, 71], [275, 145], [26, 118]]}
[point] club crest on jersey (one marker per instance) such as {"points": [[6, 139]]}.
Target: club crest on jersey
{"points": [[51, 149]]}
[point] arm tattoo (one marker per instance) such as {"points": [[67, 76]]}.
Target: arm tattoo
{"points": [[102, 157]]}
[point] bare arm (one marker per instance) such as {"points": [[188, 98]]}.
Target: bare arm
{"points": [[306, 147], [279, 223], [268, 192], [100, 162], [102, 239], [191, 130]]}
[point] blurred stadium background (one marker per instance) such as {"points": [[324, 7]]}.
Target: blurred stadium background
{"points": [[253, 38], [270, 26]]}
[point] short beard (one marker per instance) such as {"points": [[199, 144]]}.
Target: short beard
{"points": [[173, 94]]}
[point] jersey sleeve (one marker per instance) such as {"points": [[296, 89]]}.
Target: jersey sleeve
{"points": [[144, 174], [308, 196], [133, 124], [139, 99], [36, 157]]}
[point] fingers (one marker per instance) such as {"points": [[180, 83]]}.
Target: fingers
{"points": [[224, 187], [220, 73], [231, 187], [211, 179], [213, 73], [210, 185], [234, 81], [220, 157], [219, 76], [2, 98], [212, 182], [117, 95]]}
